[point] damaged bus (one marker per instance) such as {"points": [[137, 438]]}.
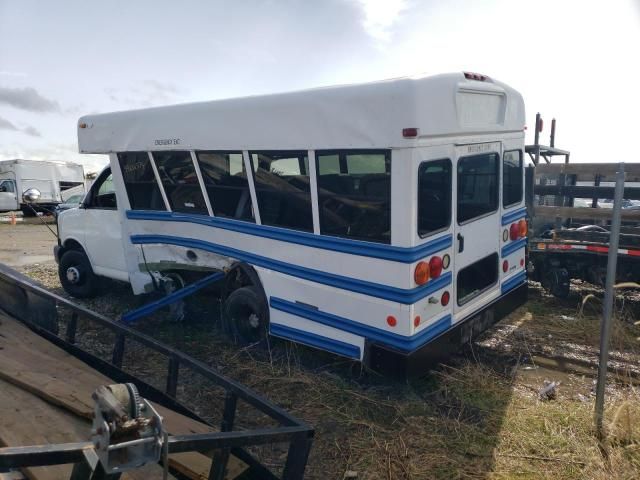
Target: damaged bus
{"points": [[384, 222]]}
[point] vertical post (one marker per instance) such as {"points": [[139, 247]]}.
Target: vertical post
{"points": [[118, 350], [596, 183], [552, 137], [221, 457], [72, 327], [297, 457], [605, 328], [536, 140], [172, 377]]}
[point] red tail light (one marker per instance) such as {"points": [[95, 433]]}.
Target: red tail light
{"points": [[444, 300], [505, 266], [391, 320], [409, 132], [435, 267], [421, 273], [416, 321], [475, 76], [523, 228], [514, 231]]}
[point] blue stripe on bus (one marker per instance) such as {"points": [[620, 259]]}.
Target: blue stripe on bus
{"points": [[510, 217], [149, 308], [386, 292], [513, 282], [400, 342], [344, 245], [315, 340], [513, 247]]}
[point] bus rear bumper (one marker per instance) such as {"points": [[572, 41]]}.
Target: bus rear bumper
{"points": [[393, 363]]}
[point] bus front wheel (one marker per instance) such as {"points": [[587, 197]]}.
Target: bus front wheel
{"points": [[246, 315], [76, 275]]}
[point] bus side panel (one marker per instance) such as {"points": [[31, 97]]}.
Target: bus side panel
{"points": [[431, 308], [512, 252], [329, 306]]}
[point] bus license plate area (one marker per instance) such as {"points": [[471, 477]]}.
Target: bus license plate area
{"points": [[476, 325]]}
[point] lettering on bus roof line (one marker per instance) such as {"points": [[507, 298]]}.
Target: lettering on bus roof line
{"points": [[483, 147], [167, 141]]}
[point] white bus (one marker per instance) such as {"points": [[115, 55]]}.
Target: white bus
{"points": [[384, 222]]}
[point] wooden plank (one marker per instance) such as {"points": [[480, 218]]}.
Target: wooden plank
{"points": [[36, 365], [586, 172], [46, 366], [29, 420], [584, 213]]}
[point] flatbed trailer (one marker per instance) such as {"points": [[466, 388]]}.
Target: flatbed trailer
{"points": [[47, 376], [569, 213]]}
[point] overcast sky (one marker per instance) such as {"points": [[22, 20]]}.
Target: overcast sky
{"points": [[577, 60]]}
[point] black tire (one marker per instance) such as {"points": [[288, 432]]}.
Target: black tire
{"points": [[247, 315], [27, 211], [557, 281], [87, 283]]}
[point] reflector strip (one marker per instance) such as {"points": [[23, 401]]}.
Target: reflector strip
{"points": [[587, 248]]}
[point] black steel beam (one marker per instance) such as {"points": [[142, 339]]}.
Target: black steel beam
{"points": [[203, 442], [43, 455], [585, 191], [243, 392]]}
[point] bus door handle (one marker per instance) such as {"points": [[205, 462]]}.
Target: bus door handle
{"points": [[460, 243]]}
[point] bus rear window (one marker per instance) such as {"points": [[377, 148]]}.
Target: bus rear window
{"points": [[225, 180], [283, 189], [180, 182], [434, 196], [476, 278], [140, 181], [511, 178], [354, 194], [477, 186]]}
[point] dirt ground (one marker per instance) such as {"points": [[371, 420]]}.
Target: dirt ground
{"points": [[26, 244], [478, 415]]}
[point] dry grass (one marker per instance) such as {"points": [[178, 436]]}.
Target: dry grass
{"points": [[477, 417]]}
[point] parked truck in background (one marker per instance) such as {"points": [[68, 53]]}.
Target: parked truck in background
{"points": [[55, 180]]}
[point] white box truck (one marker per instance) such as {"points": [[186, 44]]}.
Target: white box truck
{"points": [[55, 180]]}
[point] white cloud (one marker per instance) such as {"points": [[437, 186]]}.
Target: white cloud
{"points": [[380, 16]]}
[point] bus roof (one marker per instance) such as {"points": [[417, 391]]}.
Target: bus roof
{"points": [[370, 115]]}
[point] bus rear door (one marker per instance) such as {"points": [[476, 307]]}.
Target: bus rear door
{"points": [[477, 227]]}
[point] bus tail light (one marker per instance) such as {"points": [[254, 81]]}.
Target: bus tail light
{"points": [[435, 267], [416, 321], [514, 231], [444, 300], [475, 76], [505, 266], [409, 132], [391, 321], [421, 273], [523, 227]]}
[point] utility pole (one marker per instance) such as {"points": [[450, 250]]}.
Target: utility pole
{"points": [[607, 313]]}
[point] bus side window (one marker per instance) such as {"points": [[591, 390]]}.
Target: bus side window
{"points": [[512, 178], [180, 182], [225, 180], [283, 189], [354, 194], [140, 182], [434, 196]]}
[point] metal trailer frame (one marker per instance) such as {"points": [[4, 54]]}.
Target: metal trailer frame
{"points": [[570, 253], [537, 150], [39, 308]]}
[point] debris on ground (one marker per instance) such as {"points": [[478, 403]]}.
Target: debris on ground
{"points": [[549, 391]]}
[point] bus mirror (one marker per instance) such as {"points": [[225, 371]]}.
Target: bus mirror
{"points": [[31, 195]]}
